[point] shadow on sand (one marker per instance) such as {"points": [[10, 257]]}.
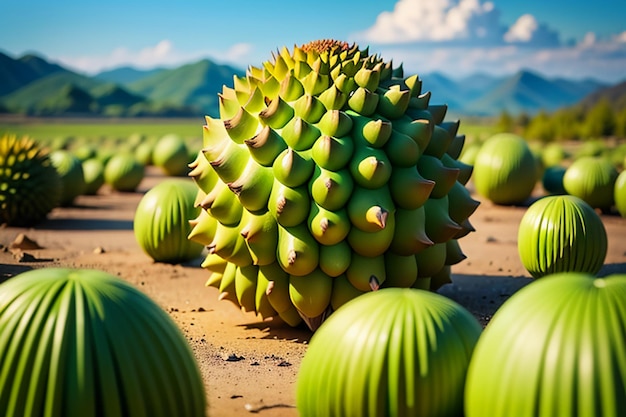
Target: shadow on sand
{"points": [[85, 224], [278, 329], [8, 271]]}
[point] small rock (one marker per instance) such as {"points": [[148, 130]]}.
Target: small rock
{"points": [[24, 257], [98, 250], [233, 358], [23, 242]]}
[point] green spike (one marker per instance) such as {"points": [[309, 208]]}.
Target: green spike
{"points": [[300, 134], [276, 114], [241, 126], [266, 146]]}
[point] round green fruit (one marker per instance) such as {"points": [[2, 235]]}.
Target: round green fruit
{"points": [[553, 155], [123, 172], [557, 347], [396, 352], [161, 223], [85, 343], [93, 172], [620, 194], [552, 179], [171, 155], [593, 180], [561, 234], [505, 169], [70, 169]]}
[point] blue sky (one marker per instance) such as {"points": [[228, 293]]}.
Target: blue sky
{"points": [[557, 38]]}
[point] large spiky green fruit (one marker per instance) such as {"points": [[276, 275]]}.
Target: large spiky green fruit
{"points": [[328, 174], [78, 342], [30, 186]]}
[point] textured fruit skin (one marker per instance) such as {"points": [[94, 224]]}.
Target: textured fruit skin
{"points": [[396, 352], [505, 169], [30, 186], [78, 342], [561, 234], [557, 347], [350, 159], [161, 222], [593, 180]]}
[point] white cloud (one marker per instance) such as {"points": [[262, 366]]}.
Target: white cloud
{"points": [[522, 30], [526, 30], [162, 54], [435, 21], [602, 59], [464, 22], [461, 37]]}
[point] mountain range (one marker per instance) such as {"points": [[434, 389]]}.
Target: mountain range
{"points": [[33, 86]]}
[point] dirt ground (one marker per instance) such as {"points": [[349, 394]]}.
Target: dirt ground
{"points": [[250, 366]]}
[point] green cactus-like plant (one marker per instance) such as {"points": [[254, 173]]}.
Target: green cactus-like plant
{"points": [[30, 186]]}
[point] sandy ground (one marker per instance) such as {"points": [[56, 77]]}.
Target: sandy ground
{"points": [[250, 366]]}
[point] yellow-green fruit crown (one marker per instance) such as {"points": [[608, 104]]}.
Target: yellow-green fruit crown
{"points": [[327, 175], [29, 184]]}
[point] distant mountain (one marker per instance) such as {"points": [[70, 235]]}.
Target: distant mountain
{"points": [[529, 92], [443, 89], [66, 93], [615, 94], [32, 85], [126, 75], [17, 73], [195, 85], [31, 98]]}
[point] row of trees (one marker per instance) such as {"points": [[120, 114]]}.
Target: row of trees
{"points": [[573, 123]]}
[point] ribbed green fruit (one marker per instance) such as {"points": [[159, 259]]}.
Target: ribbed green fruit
{"points": [[162, 221], [397, 352], [333, 142], [561, 234], [30, 186], [557, 347], [85, 343]]}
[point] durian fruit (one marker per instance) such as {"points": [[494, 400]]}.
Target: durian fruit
{"points": [[30, 186], [326, 176]]}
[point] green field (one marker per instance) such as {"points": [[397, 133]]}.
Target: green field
{"points": [[44, 129], [50, 128]]}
